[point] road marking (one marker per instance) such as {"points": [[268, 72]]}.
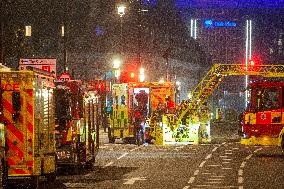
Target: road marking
{"points": [[223, 156], [226, 168], [240, 172], [208, 156], [226, 162], [109, 164], [223, 143], [214, 149], [235, 148], [227, 159], [191, 180], [218, 176], [206, 173], [135, 148], [228, 153], [186, 187], [240, 180], [202, 164], [257, 150], [228, 150], [248, 157], [241, 187], [215, 179], [122, 155], [132, 180], [196, 172], [243, 164], [213, 182], [214, 165]]}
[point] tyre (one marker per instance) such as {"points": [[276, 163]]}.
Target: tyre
{"points": [[4, 175], [51, 177], [35, 182]]}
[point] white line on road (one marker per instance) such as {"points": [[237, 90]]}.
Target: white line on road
{"points": [[223, 143], [208, 156], [214, 149], [215, 179], [241, 187], [240, 180], [226, 159], [122, 155], [186, 187], [135, 148], [191, 180], [228, 153], [243, 164], [240, 172], [248, 157], [202, 163], [109, 164], [226, 168], [214, 165], [132, 180], [218, 176], [206, 173], [223, 156], [225, 162], [257, 150], [196, 172]]}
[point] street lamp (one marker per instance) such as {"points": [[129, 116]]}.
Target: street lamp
{"points": [[121, 8]]}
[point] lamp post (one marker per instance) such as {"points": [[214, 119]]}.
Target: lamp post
{"points": [[121, 8]]}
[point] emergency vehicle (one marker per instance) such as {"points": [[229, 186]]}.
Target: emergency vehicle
{"points": [[77, 124], [263, 122], [27, 117], [127, 97]]}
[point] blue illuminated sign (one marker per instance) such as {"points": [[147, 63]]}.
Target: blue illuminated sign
{"points": [[215, 23], [229, 4]]}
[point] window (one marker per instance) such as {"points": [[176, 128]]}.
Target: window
{"points": [[267, 98]]}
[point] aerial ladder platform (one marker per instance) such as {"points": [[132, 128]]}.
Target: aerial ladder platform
{"points": [[204, 89], [216, 75]]}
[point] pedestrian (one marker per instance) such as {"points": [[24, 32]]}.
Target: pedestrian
{"points": [[143, 124]]}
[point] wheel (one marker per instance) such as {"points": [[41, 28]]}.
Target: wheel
{"points": [[51, 177], [4, 175], [35, 182]]}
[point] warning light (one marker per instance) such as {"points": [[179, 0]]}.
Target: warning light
{"points": [[251, 62], [132, 75]]}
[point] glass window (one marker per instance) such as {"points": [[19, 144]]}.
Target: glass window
{"points": [[267, 98]]}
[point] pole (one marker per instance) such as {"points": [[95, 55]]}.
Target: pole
{"points": [[2, 42], [139, 34]]}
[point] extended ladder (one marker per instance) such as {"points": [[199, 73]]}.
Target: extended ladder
{"points": [[214, 77]]}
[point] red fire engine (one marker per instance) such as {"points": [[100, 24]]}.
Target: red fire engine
{"points": [[76, 129], [263, 122]]}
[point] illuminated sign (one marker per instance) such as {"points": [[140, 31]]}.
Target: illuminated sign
{"points": [[215, 24], [185, 4]]}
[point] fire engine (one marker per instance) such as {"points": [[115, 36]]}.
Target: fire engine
{"points": [[76, 123], [189, 120], [263, 123], [27, 117]]}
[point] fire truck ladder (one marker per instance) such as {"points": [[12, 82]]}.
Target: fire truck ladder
{"points": [[217, 74]]}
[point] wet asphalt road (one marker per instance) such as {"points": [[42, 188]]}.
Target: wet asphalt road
{"points": [[222, 165]]}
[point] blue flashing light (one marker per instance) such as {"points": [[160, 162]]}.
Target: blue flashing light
{"points": [[229, 4]]}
